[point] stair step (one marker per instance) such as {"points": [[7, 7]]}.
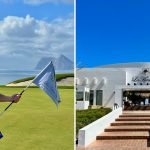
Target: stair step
{"points": [[133, 119], [123, 123], [134, 115], [136, 108], [123, 135], [127, 128]]}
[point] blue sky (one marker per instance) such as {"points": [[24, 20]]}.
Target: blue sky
{"points": [[32, 29], [40, 11], [113, 32]]}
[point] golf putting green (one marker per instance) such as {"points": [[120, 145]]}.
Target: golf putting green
{"points": [[35, 123]]}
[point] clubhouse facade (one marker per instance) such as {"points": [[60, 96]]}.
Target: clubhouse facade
{"points": [[105, 86]]}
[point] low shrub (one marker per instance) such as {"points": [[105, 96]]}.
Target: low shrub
{"points": [[85, 117]]}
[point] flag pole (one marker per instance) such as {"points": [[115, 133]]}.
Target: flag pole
{"points": [[13, 101], [22, 91], [27, 88]]}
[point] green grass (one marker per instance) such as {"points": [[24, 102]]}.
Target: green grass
{"points": [[85, 117], [35, 123], [21, 87], [58, 77]]}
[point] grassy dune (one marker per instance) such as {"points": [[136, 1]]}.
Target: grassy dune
{"points": [[35, 123], [58, 77]]}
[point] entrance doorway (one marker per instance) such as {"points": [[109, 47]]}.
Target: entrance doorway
{"points": [[136, 99], [91, 97]]}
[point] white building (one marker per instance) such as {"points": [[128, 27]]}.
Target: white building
{"points": [[105, 85]]}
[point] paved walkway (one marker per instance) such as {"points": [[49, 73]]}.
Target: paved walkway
{"points": [[129, 132], [118, 145]]}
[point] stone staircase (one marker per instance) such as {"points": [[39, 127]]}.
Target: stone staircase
{"points": [[137, 107], [129, 125]]}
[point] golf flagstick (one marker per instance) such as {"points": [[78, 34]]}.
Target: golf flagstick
{"points": [[1, 114], [13, 101], [20, 93], [41, 80]]}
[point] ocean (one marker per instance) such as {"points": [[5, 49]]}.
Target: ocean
{"points": [[7, 76]]}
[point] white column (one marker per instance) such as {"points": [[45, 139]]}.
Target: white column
{"points": [[84, 95], [94, 97], [118, 97]]}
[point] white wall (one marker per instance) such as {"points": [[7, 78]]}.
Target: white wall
{"points": [[82, 105], [88, 134], [131, 73], [118, 96], [112, 78]]}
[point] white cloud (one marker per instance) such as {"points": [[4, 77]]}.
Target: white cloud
{"points": [[18, 27], [32, 38]]}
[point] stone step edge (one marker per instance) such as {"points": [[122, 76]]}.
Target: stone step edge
{"points": [[125, 129], [120, 137], [128, 123], [132, 119], [122, 116]]}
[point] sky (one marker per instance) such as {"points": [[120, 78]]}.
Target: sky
{"points": [[32, 29], [112, 31]]}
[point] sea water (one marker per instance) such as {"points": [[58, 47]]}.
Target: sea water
{"points": [[7, 76]]}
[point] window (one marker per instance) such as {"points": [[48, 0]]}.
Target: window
{"points": [[79, 96], [91, 97], [99, 97]]}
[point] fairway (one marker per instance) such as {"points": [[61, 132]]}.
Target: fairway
{"points": [[35, 123]]}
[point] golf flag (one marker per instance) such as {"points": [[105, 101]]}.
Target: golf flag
{"points": [[47, 82]]}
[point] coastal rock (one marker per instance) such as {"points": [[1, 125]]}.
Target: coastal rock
{"points": [[60, 63]]}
